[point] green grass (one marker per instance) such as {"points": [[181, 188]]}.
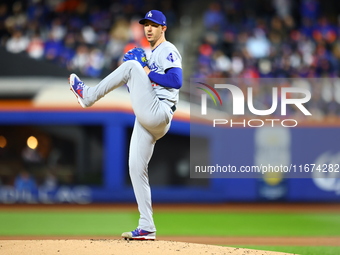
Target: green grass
{"points": [[65, 223], [215, 224], [246, 224], [93, 223], [301, 250]]}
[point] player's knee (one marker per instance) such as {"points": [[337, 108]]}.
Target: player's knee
{"points": [[133, 64], [148, 124]]}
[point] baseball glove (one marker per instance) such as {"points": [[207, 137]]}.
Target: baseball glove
{"points": [[136, 54]]}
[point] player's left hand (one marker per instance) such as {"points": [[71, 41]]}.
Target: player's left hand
{"points": [[136, 54]]}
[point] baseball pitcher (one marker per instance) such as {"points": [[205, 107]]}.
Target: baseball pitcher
{"points": [[153, 85]]}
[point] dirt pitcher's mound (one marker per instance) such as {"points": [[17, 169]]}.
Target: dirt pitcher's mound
{"points": [[117, 247]]}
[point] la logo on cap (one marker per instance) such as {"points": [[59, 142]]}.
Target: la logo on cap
{"points": [[150, 14]]}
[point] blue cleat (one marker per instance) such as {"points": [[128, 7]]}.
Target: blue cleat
{"points": [[77, 87], [139, 234]]}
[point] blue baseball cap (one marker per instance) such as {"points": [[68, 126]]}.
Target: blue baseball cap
{"points": [[155, 16]]}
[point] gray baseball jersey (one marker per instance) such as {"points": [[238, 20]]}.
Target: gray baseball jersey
{"points": [[165, 56]]}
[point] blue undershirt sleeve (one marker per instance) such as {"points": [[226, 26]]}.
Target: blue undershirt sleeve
{"points": [[171, 79]]}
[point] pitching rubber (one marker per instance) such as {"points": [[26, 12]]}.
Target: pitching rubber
{"points": [[137, 239]]}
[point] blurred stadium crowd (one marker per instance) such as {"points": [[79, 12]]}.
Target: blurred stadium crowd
{"points": [[261, 38], [238, 39], [85, 36], [275, 38]]}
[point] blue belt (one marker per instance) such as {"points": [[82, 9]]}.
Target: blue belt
{"points": [[173, 108]]}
